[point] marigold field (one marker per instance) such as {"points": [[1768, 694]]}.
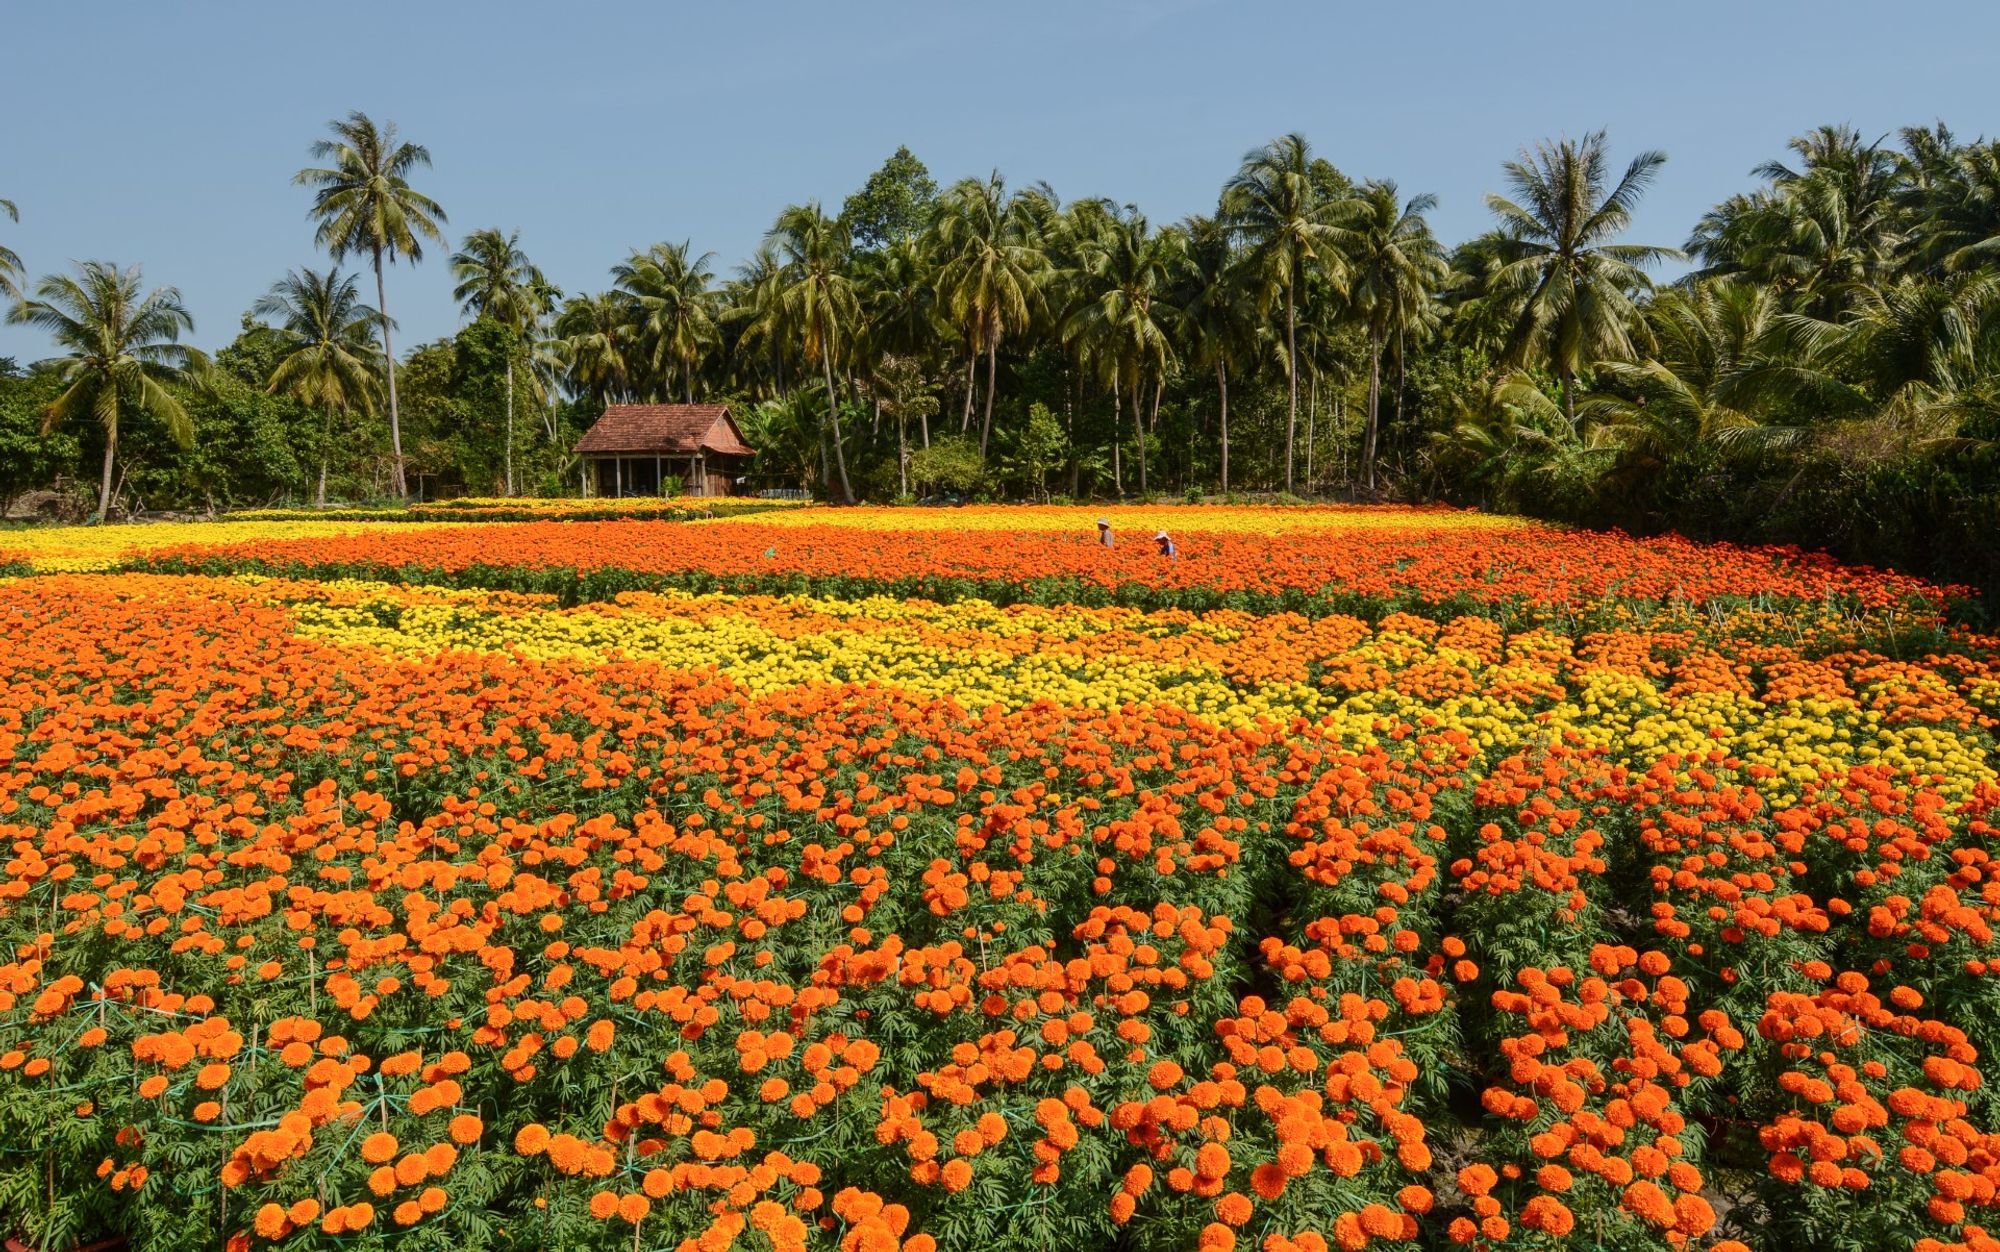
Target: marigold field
{"points": [[908, 880]]}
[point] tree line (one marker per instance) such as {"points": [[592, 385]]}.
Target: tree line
{"points": [[1823, 370]]}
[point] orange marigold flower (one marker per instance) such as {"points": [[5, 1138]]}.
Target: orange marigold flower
{"points": [[1268, 1180], [1233, 1207], [531, 1140], [956, 1175], [1477, 1179], [271, 1221]]}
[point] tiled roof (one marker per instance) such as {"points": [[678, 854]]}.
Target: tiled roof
{"points": [[665, 429]]}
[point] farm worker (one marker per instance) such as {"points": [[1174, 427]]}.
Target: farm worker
{"points": [[1167, 548], [1104, 532]]}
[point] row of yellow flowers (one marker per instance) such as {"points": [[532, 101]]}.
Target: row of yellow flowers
{"points": [[74, 549], [1613, 690]]}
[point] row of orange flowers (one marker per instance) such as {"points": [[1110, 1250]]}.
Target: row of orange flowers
{"points": [[1525, 565]]}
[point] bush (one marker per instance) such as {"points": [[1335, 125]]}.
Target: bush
{"points": [[950, 466]]}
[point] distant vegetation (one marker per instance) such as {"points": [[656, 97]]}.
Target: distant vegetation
{"points": [[1824, 373]]}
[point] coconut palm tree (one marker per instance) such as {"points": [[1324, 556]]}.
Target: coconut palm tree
{"points": [[1577, 286], [1961, 222], [671, 294], [1395, 268], [1212, 303], [1068, 235], [121, 350], [989, 268], [328, 350], [1284, 204], [11, 273], [497, 281], [1129, 312], [756, 307], [592, 331], [1710, 336], [819, 300], [899, 298], [363, 202]]}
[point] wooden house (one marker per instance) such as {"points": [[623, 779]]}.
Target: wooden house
{"points": [[635, 448]]}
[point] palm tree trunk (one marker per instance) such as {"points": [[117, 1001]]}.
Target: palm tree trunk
{"points": [[104, 491], [1139, 425], [1072, 393], [971, 373], [825, 462], [902, 455], [510, 426], [397, 482], [1403, 385], [1402, 379], [1569, 397], [1374, 405], [325, 453], [833, 414], [1292, 378], [1312, 424], [1222, 388], [1340, 434], [1117, 442], [986, 424]]}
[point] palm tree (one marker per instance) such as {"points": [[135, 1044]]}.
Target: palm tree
{"points": [[1961, 211], [676, 307], [328, 338], [1210, 301], [363, 202], [1819, 233], [122, 349], [756, 306], [497, 281], [11, 272], [900, 303], [1395, 267], [1557, 252], [819, 300], [989, 268], [1068, 236], [1284, 204], [1128, 314], [591, 330], [1710, 337]]}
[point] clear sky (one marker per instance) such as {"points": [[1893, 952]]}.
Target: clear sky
{"points": [[168, 133]]}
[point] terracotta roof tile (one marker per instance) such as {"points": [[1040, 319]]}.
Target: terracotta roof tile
{"points": [[665, 429]]}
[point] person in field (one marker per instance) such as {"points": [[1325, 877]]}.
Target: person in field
{"points": [[1104, 533], [1167, 548]]}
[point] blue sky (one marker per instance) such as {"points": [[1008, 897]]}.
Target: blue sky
{"points": [[167, 134]]}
